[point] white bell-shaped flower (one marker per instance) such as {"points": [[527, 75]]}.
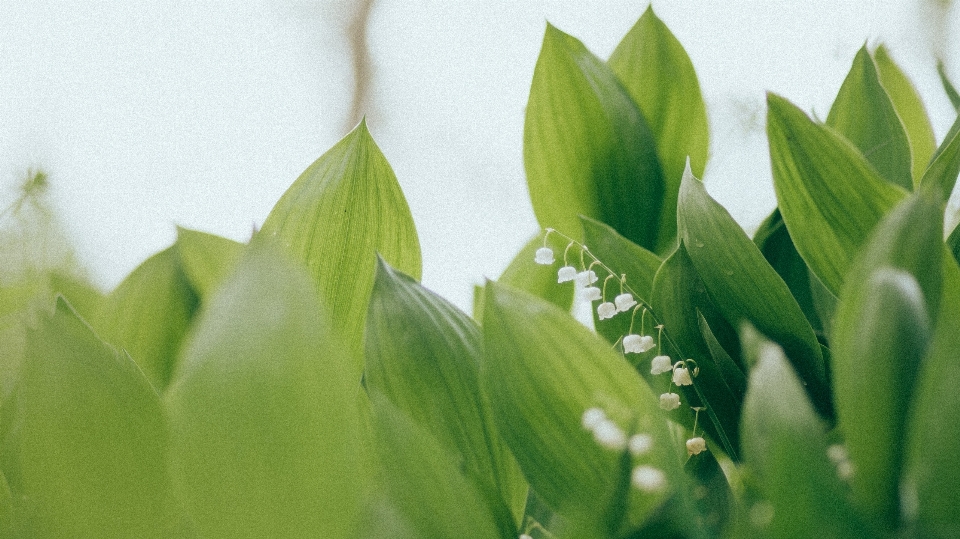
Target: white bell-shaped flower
{"points": [[609, 435], [681, 377], [696, 445], [648, 479], [606, 310], [637, 344], [566, 273], [660, 365], [544, 256], [625, 302], [586, 277], [592, 417], [669, 401], [640, 444], [590, 293]]}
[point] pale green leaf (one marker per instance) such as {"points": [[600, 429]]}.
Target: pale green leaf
{"points": [[586, 147], [948, 87], [864, 114], [945, 164], [910, 108], [343, 210], [657, 72], [424, 356], [829, 195], [206, 259], [263, 411]]}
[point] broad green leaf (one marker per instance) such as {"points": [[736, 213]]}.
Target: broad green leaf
{"points": [[148, 314], [785, 451], [679, 298], [945, 164], [424, 356], [206, 259], [953, 243], [829, 195], [542, 370], [931, 482], [91, 441], [948, 87], [262, 411], [730, 372], [910, 108], [745, 287], [660, 78], [624, 258], [587, 149], [716, 501], [343, 210], [773, 240], [864, 114], [83, 296], [422, 486], [6, 508]]}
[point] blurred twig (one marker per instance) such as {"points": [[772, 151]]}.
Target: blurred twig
{"points": [[360, 59]]}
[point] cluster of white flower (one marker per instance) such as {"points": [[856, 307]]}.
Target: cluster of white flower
{"points": [[837, 453], [609, 435], [681, 377]]}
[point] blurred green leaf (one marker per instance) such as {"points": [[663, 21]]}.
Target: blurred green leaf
{"points": [[864, 114], [148, 314], [343, 210], [542, 370], [6, 508], [745, 288], [206, 259], [948, 87], [945, 164], [538, 279], [658, 74], [909, 108], [586, 147], [422, 488], [90, 442], [262, 411], [785, 450], [424, 356], [829, 195], [930, 484]]}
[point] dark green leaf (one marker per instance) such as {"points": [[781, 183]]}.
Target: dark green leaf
{"points": [[744, 287], [864, 114], [910, 108], [829, 195], [148, 314], [657, 72], [206, 259], [262, 410], [948, 87], [343, 210], [945, 164], [90, 445], [424, 356], [729, 370], [586, 147]]}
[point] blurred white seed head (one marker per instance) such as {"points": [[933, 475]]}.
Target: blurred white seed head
{"points": [[592, 417], [640, 444], [609, 435], [648, 479]]}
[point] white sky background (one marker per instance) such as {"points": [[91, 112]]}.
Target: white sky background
{"points": [[201, 113]]}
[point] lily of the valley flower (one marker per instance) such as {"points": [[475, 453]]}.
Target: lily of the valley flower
{"points": [[637, 344], [660, 365], [544, 256], [590, 293], [587, 277], [592, 417], [625, 302], [669, 401], [609, 435], [696, 445], [640, 444], [681, 377], [566, 273], [606, 310], [648, 479]]}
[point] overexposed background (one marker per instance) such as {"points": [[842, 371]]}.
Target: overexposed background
{"points": [[200, 113]]}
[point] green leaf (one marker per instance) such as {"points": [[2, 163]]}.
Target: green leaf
{"points": [[909, 108], [90, 444], [586, 147], [423, 493], [206, 259], [660, 78], [730, 372], [262, 410], [148, 314], [538, 279], [745, 288], [343, 210], [931, 481], [6, 508], [785, 450], [829, 195], [864, 114], [948, 87], [542, 370], [424, 356], [945, 164], [83, 296]]}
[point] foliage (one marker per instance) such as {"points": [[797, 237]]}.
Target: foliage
{"points": [[800, 383]]}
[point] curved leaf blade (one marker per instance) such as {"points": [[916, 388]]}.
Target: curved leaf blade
{"points": [[945, 164], [948, 87], [829, 195], [655, 69], [586, 147], [206, 259]]}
